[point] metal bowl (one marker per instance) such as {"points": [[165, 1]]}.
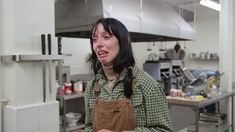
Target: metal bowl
{"points": [[72, 118]]}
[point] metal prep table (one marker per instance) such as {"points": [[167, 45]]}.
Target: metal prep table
{"points": [[196, 105]]}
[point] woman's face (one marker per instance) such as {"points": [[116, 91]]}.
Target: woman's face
{"points": [[105, 45]]}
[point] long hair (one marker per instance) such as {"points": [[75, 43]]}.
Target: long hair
{"points": [[124, 59]]}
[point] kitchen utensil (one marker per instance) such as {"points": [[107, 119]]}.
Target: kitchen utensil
{"points": [[60, 80], [188, 74], [43, 44], [202, 55], [49, 53], [207, 55], [59, 46]]}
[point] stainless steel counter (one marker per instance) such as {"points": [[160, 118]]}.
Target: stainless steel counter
{"points": [[196, 105]]}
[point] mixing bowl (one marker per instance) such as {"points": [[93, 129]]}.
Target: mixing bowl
{"points": [[72, 118]]}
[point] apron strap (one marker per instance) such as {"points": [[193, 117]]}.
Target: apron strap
{"points": [[97, 89]]}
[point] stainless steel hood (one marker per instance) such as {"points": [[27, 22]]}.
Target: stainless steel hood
{"points": [[146, 20]]}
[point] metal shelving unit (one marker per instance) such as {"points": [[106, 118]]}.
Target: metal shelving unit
{"points": [[22, 57], [63, 105], [38, 58], [73, 96], [209, 60], [79, 126]]}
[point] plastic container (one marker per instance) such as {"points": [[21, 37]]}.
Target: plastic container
{"points": [[68, 88]]}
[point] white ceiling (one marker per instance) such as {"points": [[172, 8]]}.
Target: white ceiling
{"points": [[201, 12], [206, 13], [186, 3]]}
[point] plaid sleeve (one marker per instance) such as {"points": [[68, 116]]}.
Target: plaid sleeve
{"points": [[156, 108], [88, 108]]}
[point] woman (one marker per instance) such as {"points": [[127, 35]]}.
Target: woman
{"points": [[121, 97]]}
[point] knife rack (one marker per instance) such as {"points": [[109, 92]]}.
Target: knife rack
{"points": [[25, 58], [39, 59]]}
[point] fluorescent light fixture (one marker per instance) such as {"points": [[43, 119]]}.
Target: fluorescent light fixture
{"points": [[211, 4]]}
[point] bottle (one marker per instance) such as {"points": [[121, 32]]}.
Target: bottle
{"points": [[60, 89], [72, 85], [80, 86]]}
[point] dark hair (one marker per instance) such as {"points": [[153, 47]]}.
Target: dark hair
{"points": [[124, 59]]}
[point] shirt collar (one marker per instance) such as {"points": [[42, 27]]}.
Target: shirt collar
{"points": [[121, 76]]}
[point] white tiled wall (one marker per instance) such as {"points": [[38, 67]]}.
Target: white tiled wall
{"points": [[49, 115], [27, 119]]}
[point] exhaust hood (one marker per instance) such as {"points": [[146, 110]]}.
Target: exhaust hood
{"points": [[146, 20]]}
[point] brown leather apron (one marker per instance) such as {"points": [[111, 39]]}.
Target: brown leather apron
{"points": [[114, 115]]}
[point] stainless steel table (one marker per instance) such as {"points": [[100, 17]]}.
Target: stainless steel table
{"points": [[196, 105]]}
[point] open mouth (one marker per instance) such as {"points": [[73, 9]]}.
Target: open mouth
{"points": [[102, 54]]}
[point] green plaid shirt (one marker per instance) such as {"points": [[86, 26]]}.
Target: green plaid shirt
{"points": [[148, 101]]}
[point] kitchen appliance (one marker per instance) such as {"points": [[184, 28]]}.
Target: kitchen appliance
{"points": [[188, 75], [195, 84], [63, 73], [160, 71], [146, 20], [177, 78]]}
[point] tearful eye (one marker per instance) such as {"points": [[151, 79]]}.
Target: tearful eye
{"points": [[94, 40], [107, 36]]}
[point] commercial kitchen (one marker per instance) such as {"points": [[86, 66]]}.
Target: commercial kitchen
{"points": [[44, 45]]}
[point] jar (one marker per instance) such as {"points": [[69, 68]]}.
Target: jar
{"points": [[78, 86], [68, 88]]}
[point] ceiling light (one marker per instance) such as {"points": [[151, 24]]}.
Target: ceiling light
{"points": [[211, 4]]}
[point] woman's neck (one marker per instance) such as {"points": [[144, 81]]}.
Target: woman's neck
{"points": [[109, 73]]}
